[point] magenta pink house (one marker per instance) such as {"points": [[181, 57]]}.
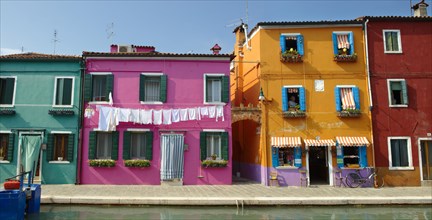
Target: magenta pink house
{"points": [[156, 118]]}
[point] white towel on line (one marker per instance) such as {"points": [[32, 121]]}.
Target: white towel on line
{"points": [[157, 117], [183, 114], [212, 111], [175, 115], [146, 117], [166, 116]]}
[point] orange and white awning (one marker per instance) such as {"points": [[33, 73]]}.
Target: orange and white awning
{"points": [[285, 142], [352, 141], [319, 143]]}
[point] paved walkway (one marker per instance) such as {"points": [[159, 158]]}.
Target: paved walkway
{"points": [[236, 194]]}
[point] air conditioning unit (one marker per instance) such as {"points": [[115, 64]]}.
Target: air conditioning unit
{"points": [[125, 49]]}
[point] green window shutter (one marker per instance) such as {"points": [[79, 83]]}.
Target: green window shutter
{"points": [[163, 88], [88, 87], [114, 149], [92, 145], [149, 145], [404, 93], [205, 89], [142, 88], [203, 145], [109, 86], [11, 145], [50, 147], [70, 147], [225, 89], [225, 145], [126, 145]]}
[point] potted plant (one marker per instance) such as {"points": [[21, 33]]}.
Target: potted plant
{"points": [[343, 56], [291, 56], [137, 163], [102, 163], [214, 156], [214, 163], [350, 113]]}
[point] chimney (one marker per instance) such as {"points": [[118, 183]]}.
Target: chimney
{"points": [[420, 9], [216, 49]]}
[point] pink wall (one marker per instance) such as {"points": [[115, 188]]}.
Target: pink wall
{"points": [[185, 89]]}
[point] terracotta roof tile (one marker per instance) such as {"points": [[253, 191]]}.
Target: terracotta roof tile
{"points": [[38, 56], [396, 18], [135, 46], [152, 54]]}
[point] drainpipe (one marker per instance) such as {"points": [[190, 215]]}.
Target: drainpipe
{"points": [[80, 124], [369, 88]]}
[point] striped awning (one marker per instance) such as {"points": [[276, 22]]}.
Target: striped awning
{"points": [[347, 98], [352, 141], [319, 143], [285, 142], [343, 41]]}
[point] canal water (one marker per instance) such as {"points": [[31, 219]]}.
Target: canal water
{"points": [[59, 212]]}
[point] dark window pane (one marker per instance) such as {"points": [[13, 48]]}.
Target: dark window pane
{"points": [[64, 92], [6, 90], [152, 88], [4, 142], [99, 88], [104, 145], [60, 145]]}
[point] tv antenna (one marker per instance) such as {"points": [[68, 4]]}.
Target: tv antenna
{"points": [[55, 40], [244, 25], [110, 31]]}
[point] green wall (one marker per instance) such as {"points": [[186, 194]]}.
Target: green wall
{"points": [[33, 98]]}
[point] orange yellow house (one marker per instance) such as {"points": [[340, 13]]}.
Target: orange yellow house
{"points": [[310, 82]]}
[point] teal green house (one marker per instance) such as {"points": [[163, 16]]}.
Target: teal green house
{"points": [[40, 116]]}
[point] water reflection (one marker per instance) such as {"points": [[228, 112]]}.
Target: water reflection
{"points": [[231, 212]]}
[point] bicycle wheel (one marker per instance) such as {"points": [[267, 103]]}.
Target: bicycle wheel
{"points": [[353, 180], [379, 182]]}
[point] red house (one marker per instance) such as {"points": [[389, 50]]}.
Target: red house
{"points": [[400, 68]]}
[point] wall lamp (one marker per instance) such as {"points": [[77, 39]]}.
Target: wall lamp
{"points": [[262, 98]]}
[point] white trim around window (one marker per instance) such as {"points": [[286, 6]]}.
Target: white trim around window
{"points": [[409, 150], [100, 73], [152, 74], [214, 130], [389, 95], [290, 34], [205, 88], [292, 86], [99, 102], [399, 41], [61, 132], [72, 92], [345, 86], [14, 92], [420, 139]]}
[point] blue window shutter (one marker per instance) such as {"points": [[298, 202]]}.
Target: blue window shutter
{"points": [[282, 43], [339, 156], [356, 94], [338, 100], [284, 99], [297, 157], [300, 44], [335, 44], [362, 156], [275, 157], [351, 41], [302, 96], [404, 93], [10, 149]]}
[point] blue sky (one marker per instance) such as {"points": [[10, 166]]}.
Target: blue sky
{"points": [[170, 26]]}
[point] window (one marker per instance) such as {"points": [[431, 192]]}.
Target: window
{"points": [[216, 88], [6, 146], [348, 156], [292, 42], [214, 143], [7, 90], [392, 41], [63, 91], [98, 86], [343, 43], [293, 98], [400, 153], [103, 145], [153, 88], [286, 157], [397, 92], [347, 98], [351, 156], [137, 145], [60, 146]]}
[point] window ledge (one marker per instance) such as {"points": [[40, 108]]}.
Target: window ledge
{"points": [[398, 106], [7, 111], [62, 106], [98, 102], [292, 59], [346, 114], [393, 52], [59, 162], [215, 103], [345, 58], [401, 168], [61, 112], [151, 103], [294, 114], [6, 106], [287, 168], [4, 161]]}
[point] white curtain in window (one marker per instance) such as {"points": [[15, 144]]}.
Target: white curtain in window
{"points": [[214, 90], [99, 87], [104, 145], [347, 98], [152, 89], [343, 41], [214, 145], [138, 143], [172, 157]]}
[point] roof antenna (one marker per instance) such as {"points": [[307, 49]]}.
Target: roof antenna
{"points": [[55, 40], [110, 31], [22, 49], [245, 27], [411, 9]]}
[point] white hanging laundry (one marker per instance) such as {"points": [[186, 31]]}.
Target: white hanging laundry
{"points": [[192, 114], [183, 114], [124, 114], [212, 111], [198, 113], [114, 119], [104, 117], [135, 116], [219, 112], [204, 111], [157, 117], [110, 99], [166, 116], [175, 115], [146, 116]]}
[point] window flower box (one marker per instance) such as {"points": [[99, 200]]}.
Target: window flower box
{"points": [[291, 56], [345, 58], [349, 113], [61, 112], [294, 114], [214, 163], [137, 163], [102, 163], [7, 111]]}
